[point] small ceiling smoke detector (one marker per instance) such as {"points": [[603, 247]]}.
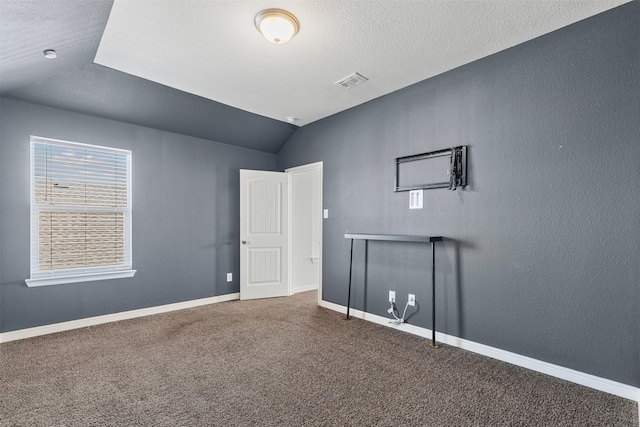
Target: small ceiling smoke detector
{"points": [[351, 80], [277, 25], [291, 119], [50, 54]]}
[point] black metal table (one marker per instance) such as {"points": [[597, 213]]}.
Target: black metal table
{"points": [[401, 238]]}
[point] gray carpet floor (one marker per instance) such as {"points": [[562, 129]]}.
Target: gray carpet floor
{"points": [[277, 362]]}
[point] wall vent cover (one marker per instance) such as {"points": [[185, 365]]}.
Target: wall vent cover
{"points": [[351, 80]]}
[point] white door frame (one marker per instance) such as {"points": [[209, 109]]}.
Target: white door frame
{"points": [[305, 168]]}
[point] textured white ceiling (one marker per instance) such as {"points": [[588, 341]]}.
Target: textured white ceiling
{"points": [[72, 27], [212, 49]]}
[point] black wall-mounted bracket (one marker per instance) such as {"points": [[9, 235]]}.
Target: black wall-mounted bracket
{"points": [[457, 169]]}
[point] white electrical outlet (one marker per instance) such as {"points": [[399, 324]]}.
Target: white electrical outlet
{"points": [[229, 277], [415, 199], [412, 300], [392, 296]]}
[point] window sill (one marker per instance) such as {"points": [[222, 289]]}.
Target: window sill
{"points": [[90, 277]]}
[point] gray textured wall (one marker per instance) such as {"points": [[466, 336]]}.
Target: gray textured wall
{"points": [[185, 217], [1, 225], [544, 244]]}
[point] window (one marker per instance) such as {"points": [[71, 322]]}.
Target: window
{"points": [[80, 212]]}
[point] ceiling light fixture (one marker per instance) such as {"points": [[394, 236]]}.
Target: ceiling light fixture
{"points": [[277, 25], [50, 54]]}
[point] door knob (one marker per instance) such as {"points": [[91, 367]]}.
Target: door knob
{"points": [[244, 242]]}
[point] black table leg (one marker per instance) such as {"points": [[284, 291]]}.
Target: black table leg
{"points": [[433, 296], [350, 269]]}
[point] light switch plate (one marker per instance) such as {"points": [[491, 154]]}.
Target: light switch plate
{"points": [[325, 213], [229, 277]]}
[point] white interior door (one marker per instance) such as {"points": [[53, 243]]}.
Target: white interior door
{"points": [[264, 234]]}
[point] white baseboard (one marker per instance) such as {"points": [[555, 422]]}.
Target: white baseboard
{"points": [[305, 288], [97, 320], [588, 380]]}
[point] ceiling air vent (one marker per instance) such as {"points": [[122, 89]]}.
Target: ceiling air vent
{"points": [[351, 80]]}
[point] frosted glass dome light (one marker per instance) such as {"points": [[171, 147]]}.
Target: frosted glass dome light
{"points": [[277, 25]]}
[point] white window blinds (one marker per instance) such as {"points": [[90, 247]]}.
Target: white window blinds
{"points": [[80, 212]]}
